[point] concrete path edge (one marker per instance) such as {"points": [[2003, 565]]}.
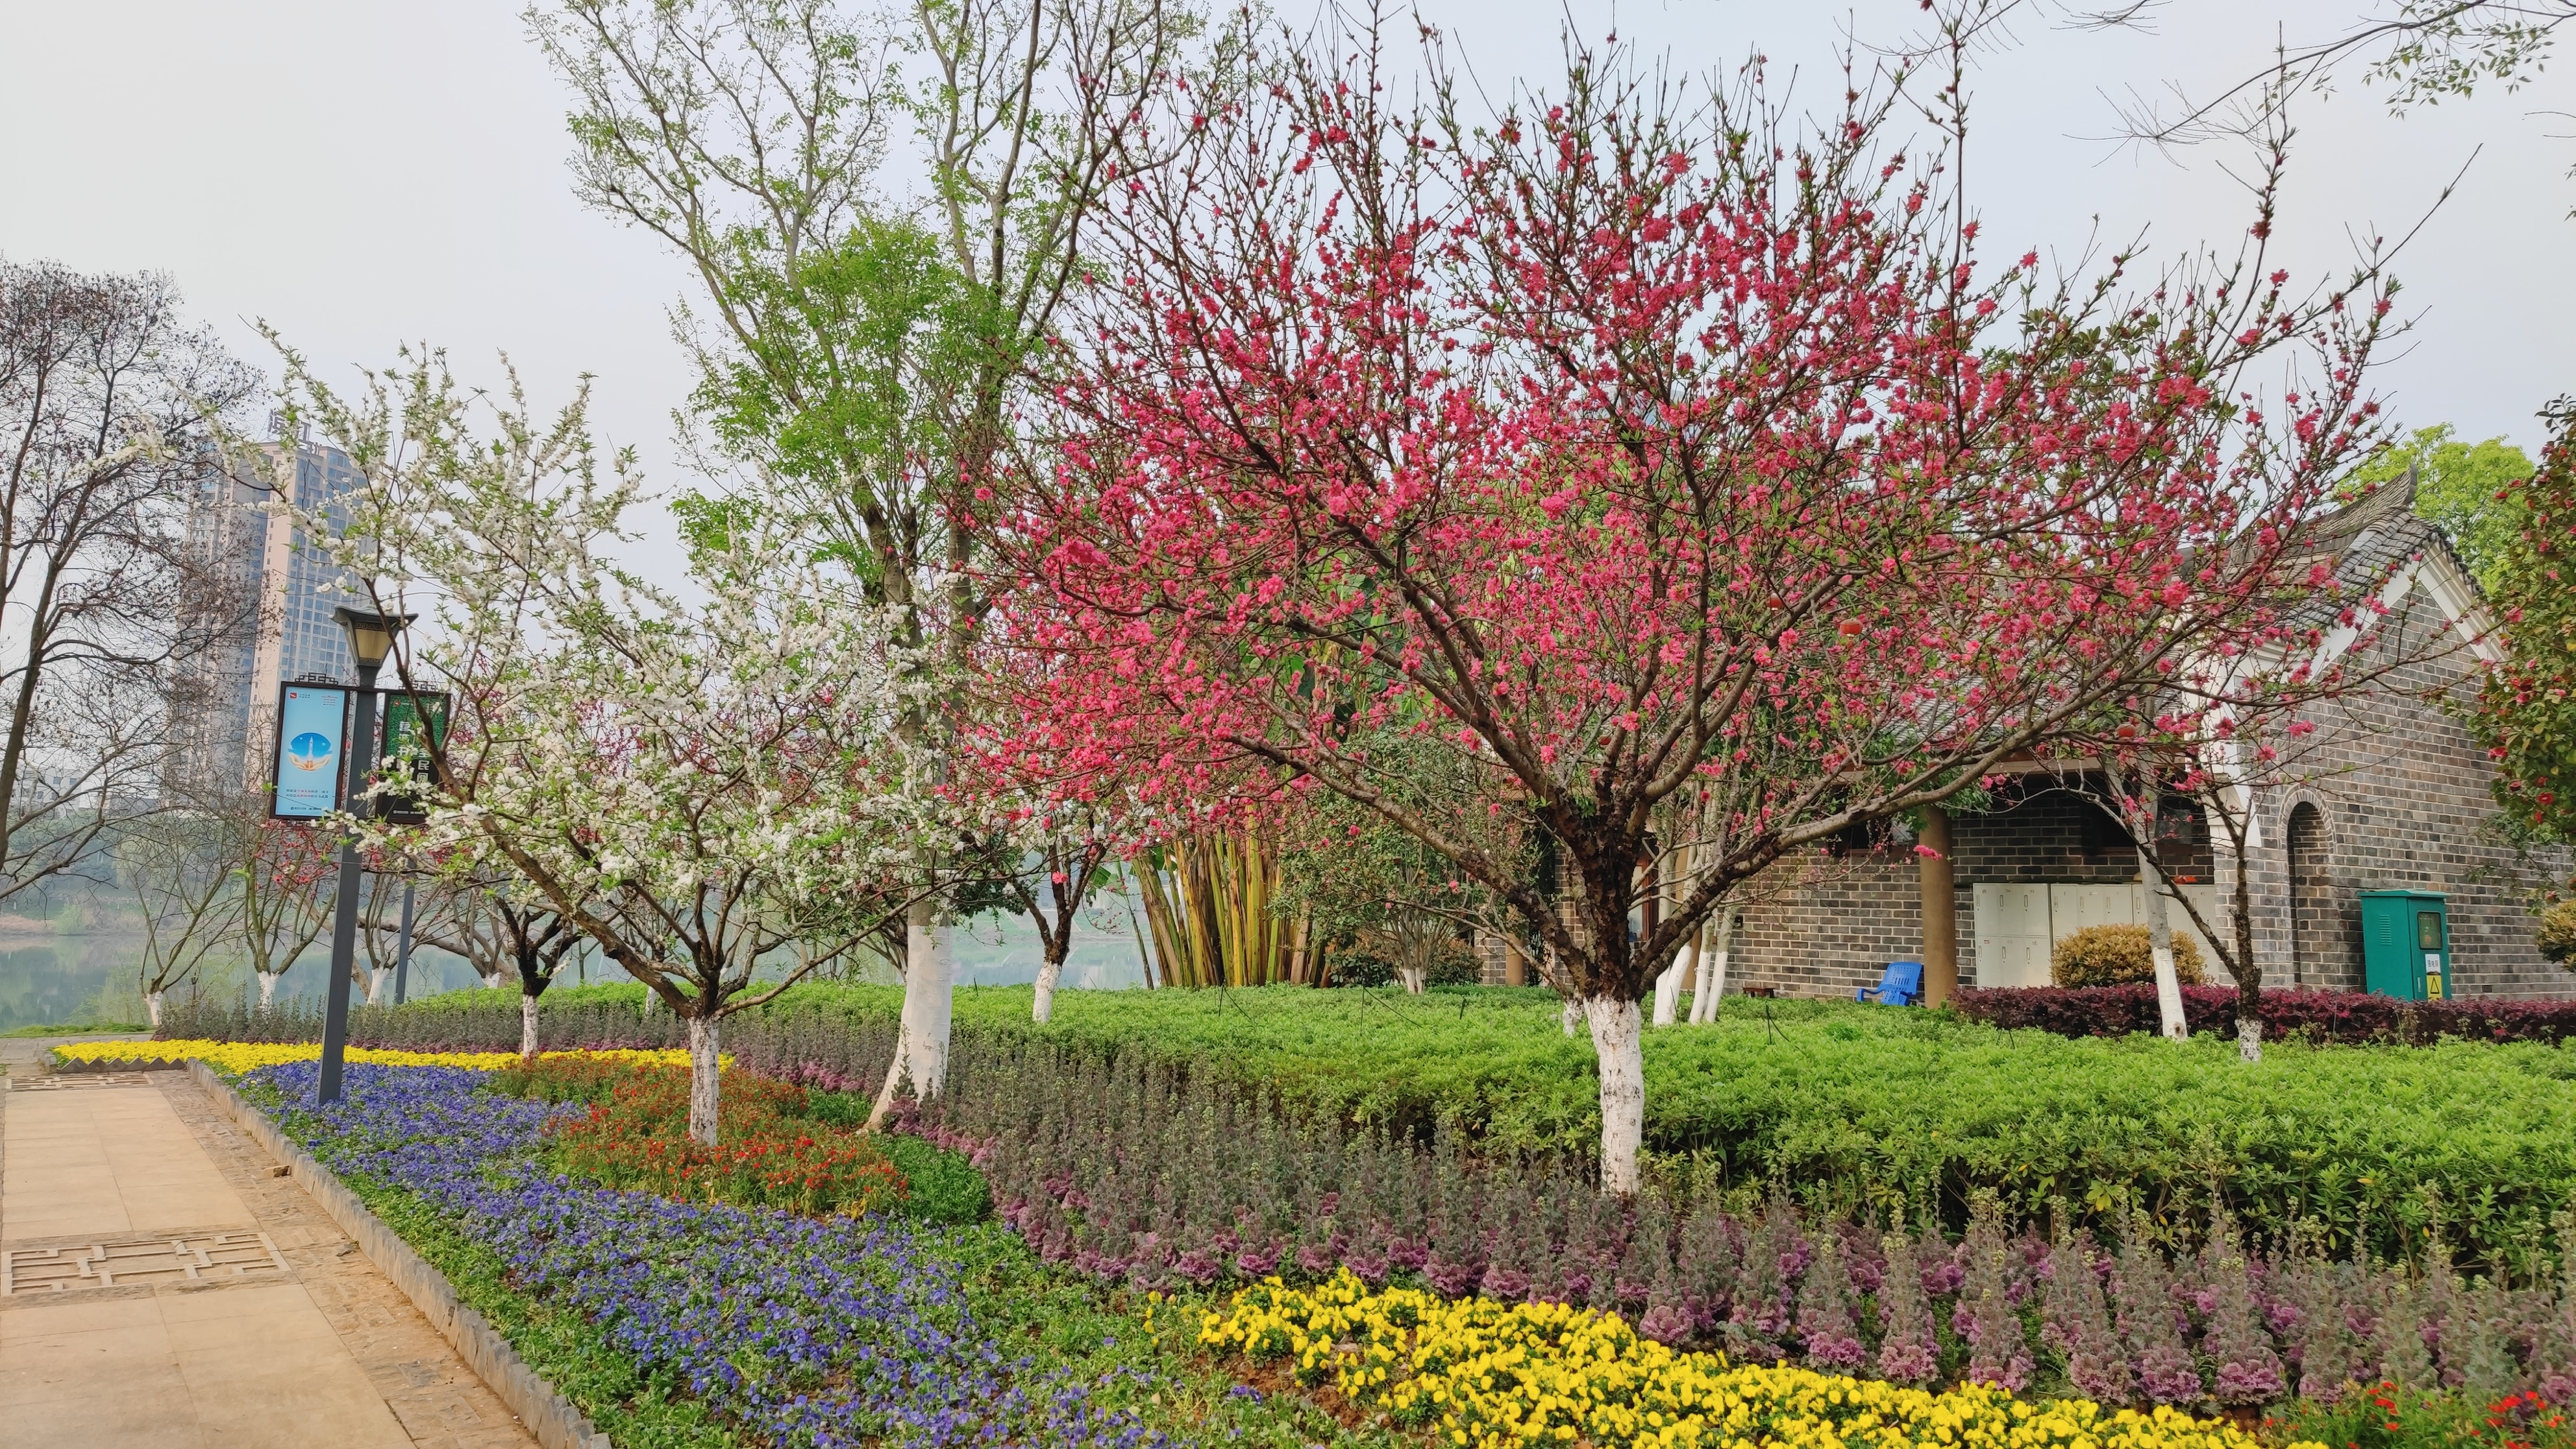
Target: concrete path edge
{"points": [[551, 1417]]}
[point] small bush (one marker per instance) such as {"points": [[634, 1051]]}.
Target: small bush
{"points": [[2116, 956], [1359, 968], [944, 1188], [2557, 934], [1455, 968], [587, 1080]]}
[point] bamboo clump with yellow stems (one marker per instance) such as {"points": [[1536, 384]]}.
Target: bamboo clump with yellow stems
{"points": [[1209, 901]]}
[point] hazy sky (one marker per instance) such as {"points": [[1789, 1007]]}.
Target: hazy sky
{"points": [[360, 173]]}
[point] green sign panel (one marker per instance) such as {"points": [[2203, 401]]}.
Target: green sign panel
{"points": [[415, 729]]}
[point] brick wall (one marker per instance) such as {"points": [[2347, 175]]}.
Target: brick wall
{"points": [[2400, 801], [1827, 927], [2397, 799]]}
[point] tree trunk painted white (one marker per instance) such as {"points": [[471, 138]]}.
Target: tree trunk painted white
{"points": [[703, 1080], [2160, 947], [492, 982], [2159, 931], [893, 1083], [1042, 1010], [1573, 1013], [1616, 1027], [527, 1028], [1712, 972], [268, 988], [2249, 1039], [929, 996], [1668, 987], [1413, 977], [378, 978], [152, 1006]]}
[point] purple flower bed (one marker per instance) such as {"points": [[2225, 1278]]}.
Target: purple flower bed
{"points": [[1136, 1175], [2345, 1017], [798, 1331], [1120, 1165]]}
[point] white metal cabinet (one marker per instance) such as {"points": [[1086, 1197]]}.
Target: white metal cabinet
{"points": [[2019, 925], [2013, 934]]}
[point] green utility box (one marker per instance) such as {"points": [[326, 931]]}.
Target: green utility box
{"points": [[2406, 944]]}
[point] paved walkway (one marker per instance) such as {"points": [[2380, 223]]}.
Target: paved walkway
{"points": [[159, 1285]]}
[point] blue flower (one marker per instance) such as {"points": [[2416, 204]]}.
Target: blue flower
{"points": [[798, 1331]]}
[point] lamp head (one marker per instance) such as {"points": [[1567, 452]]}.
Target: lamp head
{"points": [[371, 636]]}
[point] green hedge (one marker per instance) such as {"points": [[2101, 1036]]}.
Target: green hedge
{"points": [[1907, 1110], [1872, 1107]]}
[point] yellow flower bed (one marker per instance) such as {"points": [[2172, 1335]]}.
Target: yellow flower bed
{"points": [[1488, 1374], [235, 1057]]}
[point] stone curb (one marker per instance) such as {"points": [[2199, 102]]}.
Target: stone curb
{"points": [[547, 1413]]}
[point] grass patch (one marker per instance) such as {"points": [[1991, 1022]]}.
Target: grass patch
{"points": [[945, 1189], [944, 1186], [84, 1028], [1142, 1353]]}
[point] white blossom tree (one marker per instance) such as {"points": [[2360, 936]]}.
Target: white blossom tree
{"points": [[865, 360], [181, 867], [502, 929], [708, 783]]}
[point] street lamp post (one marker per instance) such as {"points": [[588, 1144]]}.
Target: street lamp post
{"points": [[402, 951], [371, 638]]}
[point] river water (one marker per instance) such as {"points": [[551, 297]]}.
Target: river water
{"points": [[69, 961]]}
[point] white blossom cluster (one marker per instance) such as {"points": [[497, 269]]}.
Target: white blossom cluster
{"points": [[734, 767]]}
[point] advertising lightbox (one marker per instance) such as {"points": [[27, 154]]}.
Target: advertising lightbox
{"points": [[312, 726]]}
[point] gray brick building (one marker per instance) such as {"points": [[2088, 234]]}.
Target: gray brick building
{"points": [[2395, 795]]}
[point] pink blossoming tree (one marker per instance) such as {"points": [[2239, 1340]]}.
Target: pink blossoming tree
{"points": [[1684, 476]]}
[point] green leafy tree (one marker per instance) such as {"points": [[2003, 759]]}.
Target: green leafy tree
{"points": [[864, 363], [2526, 712], [1385, 905], [2464, 489]]}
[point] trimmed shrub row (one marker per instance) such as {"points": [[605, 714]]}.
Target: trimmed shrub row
{"points": [[1868, 1110], [1140, 1174], [2325, 1018], [455, 1021]]}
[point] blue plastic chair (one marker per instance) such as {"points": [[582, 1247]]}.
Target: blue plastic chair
{"points": [[1901, 986]]}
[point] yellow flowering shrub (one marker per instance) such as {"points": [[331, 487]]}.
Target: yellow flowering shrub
{"points": [[235, 1057], [1487, 1374]]}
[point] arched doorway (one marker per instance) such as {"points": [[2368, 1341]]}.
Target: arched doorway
{"points": [[2312, 923]]}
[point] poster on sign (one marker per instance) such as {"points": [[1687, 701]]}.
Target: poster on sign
{"points": [[312, 720], [415, 727]]}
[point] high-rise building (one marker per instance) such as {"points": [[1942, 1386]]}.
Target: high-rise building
{"points": [[210, 694], [291, 589]]}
